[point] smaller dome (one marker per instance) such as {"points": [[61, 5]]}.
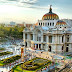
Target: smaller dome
{"points": [[60, 22]]}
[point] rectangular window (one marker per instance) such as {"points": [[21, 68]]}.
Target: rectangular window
{"points": [[67, 39], [39, 38], [25, 36], [50, 39], [31, 36], [44, 38]]}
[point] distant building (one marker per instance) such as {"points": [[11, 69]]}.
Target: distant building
{"points": [[28, 25], [8, 25], [12, 23], [20, 25]]}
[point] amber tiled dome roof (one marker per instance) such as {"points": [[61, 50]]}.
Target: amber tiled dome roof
{"points": [[50, 15], [60, 22]]}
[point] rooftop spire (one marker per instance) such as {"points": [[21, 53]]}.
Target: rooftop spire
{"points": [[50, 10]]}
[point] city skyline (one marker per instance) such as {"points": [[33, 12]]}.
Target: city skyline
{"points": [[30, 11]]}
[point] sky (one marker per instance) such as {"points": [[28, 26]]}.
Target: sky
{"points": [[30, 11]]}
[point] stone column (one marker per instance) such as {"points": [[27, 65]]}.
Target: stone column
{"points": [[28, 44], [64, 43], [60, 39], [33, 37], [28, 36], [35, 46], [38, 46], [53, 39], [46, 47], [42, 38], [41, 46], [47, 39], [24, 36], [32, 45]]}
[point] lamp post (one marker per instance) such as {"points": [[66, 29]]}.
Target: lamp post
{"points": [[22, 55]]}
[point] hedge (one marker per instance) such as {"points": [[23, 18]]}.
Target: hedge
{"points": [[11, 59], [5, 53]]}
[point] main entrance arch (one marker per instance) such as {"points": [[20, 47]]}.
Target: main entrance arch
{"points": [[26, 44], [66, 49], [49, 49]]}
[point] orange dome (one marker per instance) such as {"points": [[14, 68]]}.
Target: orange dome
{"points": [[36, 24], [60, 22], [50, 15]]}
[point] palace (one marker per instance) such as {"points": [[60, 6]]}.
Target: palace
{"points": [[49, 34]]}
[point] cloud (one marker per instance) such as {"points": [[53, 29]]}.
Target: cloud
{"points": [[25, 3], [12, 0], [19, 1]]}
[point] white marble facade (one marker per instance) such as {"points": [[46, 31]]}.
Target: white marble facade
{"points": [[51, 34]]}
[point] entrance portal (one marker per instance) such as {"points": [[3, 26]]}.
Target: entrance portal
{"points": [[39, 46], [66, 49], [26, 44], [62, 48], [49, 48]]}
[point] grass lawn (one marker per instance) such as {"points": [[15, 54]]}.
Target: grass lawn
{"points": [[5, 53], [1, 63], [3, 40], [1, 49], [9, 60], [32, 65]]}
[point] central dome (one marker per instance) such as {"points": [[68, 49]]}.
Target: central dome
{"points": [[50, 15]]}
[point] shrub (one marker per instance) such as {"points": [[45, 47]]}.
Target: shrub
{"points": [[35, 64], [33, 68], [40, 64]]}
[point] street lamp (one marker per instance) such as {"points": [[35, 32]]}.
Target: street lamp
{"points": [[22, 55]]}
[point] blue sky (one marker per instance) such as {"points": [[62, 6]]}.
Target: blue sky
{"points": [[30, 11]]}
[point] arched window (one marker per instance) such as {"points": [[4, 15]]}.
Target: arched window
{"points": [[53, 23], [65, 27], [50, 24], [39, 23]]}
